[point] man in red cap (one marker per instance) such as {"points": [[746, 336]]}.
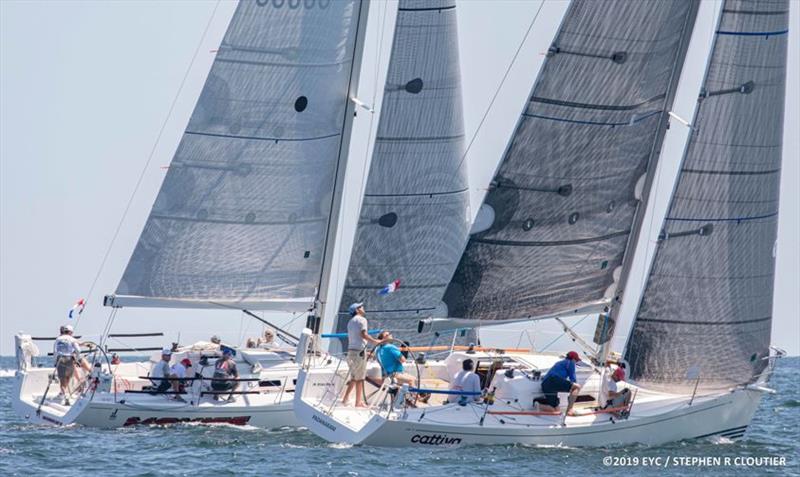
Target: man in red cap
{"points": [[560, 379], [611, 395]]}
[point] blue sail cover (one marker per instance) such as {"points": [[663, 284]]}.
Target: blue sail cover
{"points": [[414, 217], [707, 306], [242, 215]]}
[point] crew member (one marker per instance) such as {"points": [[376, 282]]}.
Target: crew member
{"points": [[391, 359], [67, 353], [465, 380], [560, 379], [357, 339], [611, 397], [225, 374], [161, 372]]}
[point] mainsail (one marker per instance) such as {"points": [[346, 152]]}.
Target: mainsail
{"points": [[242, 216], [705, 315], [414, 216], [555, 224]]}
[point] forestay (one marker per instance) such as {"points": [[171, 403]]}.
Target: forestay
{"points": [[555, 224], [414, 217], [242, 215], [706, 310]]}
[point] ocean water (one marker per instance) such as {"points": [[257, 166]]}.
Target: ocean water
{"points": [[199, 450]]}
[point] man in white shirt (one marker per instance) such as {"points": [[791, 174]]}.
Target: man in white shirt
{"points": [[357, 339], [67, 353], [465, 380], [162, 372], [610, 395]]}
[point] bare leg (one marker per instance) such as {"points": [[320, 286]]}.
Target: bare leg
{"points": [[347, 391], [360, 393], [573, 395], [547, 408]]}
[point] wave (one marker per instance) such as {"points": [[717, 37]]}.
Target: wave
{"points": [[7, 373]]}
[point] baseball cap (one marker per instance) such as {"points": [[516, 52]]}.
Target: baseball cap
{"points": [[227, 350], [354, 307], [166, 352], [573, 355], [186, 362], [619, 373], [68, 328]]}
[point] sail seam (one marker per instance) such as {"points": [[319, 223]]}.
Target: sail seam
{"points": [[553, 243], [427, 9], [236, 222], [633, 120], [756, 12], [423, 138], [256, 138], [705, 323], [732, 219], [603, 107], [425, 194], [731, 173], [753, 33]]}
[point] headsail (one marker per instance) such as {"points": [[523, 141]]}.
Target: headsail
{"points": [[414, 217], [556, 221], [707, 305], [242, 215]]}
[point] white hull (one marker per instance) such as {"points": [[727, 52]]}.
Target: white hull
{"points": [[267, 404], [655, 418]]}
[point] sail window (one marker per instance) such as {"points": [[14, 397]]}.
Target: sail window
{"points": [[573, 217], [619, 57], [388, 220], [414, 86], [527, 225], [301, 104], [747, 88]]}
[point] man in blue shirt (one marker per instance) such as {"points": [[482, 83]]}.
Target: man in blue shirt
{"points": [[560, 379], [391, 360]]}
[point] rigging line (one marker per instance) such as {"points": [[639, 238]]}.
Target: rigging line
{"points": [[564, 333], [150, 157], [500, 86]]}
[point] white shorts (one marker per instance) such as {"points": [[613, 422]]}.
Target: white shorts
{"points": [[357, 362]]}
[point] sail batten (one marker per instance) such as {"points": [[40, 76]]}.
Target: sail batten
{"points": [[705, 315], [564, 200], [243, 214]]}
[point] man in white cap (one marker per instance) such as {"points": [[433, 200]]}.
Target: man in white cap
{"points": [[161, 372], [357, 339], [67, 353]]}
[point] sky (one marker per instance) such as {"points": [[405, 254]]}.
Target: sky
{"points": [[86, 86]]}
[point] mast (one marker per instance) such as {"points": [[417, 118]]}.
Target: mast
{"points": [[338, 190]]}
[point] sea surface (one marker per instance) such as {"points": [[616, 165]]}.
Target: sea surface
{"points": [[200, 450]]}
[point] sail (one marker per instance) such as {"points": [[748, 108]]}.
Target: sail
{"points": [[242, 214], [707, 306], [555, 224], [414, 217]]}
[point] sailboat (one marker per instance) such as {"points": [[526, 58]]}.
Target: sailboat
{"points": [[556, 233], [245, 220]]}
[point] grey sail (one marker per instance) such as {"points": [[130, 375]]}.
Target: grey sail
{"points": [[414, 218], [242, 214], [559, 212], [707, 306]]}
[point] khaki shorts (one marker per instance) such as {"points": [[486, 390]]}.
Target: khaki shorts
{"points": [[357, 363], [65, 367], [404, 378]]}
